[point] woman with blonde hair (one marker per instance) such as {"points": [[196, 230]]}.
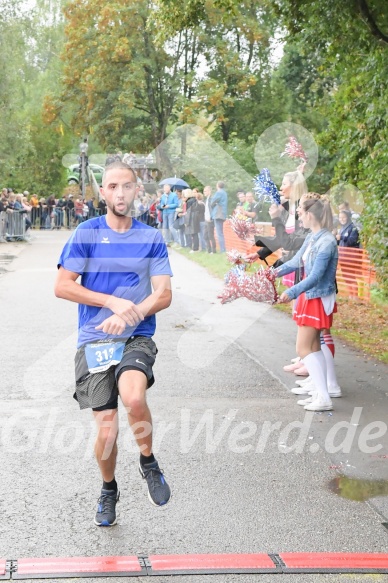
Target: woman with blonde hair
{"points": [[292, 189]]}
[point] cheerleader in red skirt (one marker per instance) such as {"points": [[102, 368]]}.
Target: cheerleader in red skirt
{"points": [[315, 294]]}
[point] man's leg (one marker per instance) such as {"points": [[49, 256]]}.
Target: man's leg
{"points": [[195, 245], [202, 236], [106, 454], [105, 448], [132, 386], [173, 231], [166, 231], [189, 240], [219, 223], [182, 236], [210, 230]]}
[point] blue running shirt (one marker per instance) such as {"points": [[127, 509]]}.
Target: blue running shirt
{"points": [[119, 264]]}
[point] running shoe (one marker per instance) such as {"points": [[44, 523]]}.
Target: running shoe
{"points": [[106, 509], [159, 492]]}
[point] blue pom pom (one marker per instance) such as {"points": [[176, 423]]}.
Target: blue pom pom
{"points": [[265, 188]]}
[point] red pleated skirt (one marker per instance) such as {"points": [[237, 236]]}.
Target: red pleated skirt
{"points": [[312, 313]]}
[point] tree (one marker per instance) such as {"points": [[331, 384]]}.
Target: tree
{"points": [[30, 152], [116, 79], [351, 38]]}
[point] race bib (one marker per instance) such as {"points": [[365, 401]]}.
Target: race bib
{"points": [[102, 355]]}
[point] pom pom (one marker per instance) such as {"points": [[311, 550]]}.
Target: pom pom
{"points": [[294, 149], [244, 228], [256, 287], [235, 257], [265, 188]]}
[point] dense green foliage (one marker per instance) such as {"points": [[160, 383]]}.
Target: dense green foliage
{"points": [[351, 39], [334, 79], [30, 151]]}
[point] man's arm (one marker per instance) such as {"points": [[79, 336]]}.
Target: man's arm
{"points": [[157, 301], [161, 297], [216, 199], [67, 288]]}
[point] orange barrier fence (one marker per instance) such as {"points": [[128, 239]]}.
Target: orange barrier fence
{"points": [[232, 241], [355, 273]]}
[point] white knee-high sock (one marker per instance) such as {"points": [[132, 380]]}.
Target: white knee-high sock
{"points": [[331, 376], [315, 363]]}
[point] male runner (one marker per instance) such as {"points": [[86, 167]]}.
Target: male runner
{"points": [[125, 279]]}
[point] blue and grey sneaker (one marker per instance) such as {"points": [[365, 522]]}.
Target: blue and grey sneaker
{"points": [[159, 491], [106, 509]]}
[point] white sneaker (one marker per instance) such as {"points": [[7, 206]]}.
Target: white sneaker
{"points": [[335, 392], [295, 360], [304, 382], [301, 390], [304, 402], [319, 405], [310, 387]]}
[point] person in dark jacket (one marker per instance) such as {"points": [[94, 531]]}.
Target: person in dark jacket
{"points": [[192, 218], [348, 235]]}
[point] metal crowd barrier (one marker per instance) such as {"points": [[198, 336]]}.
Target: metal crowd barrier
{"points": [[15, 229], [3, 226], [355, 273]]}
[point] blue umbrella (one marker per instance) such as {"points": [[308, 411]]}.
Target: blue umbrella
{"points": [[174, 182]]}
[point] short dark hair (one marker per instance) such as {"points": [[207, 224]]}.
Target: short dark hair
{"points": [[117, 165]]}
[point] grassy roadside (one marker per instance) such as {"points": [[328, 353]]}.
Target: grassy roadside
{"points": [[361, 325]]}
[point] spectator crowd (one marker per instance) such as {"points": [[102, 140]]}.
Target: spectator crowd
{"points": [[44, 213], [187, 217]]}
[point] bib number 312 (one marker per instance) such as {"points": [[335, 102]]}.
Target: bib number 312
{"points": [[103, 355]]}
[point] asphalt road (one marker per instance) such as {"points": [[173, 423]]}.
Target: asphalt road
{"points": [[250, 472]]}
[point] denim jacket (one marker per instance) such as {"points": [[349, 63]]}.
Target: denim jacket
{"points": [[320, 266], [172, 200]]}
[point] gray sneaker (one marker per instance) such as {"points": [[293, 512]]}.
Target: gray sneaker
{"points": [[159, 492], [106, 509]]}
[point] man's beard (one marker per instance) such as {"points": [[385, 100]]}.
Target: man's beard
{"points": [[127, 212]]}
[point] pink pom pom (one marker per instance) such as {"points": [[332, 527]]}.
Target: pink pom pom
{"points": [[235, 257], [256, 287], [243, 228], [294, 150]]}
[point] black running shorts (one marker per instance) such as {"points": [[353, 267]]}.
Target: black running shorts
{"points": [[99, 391]]}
